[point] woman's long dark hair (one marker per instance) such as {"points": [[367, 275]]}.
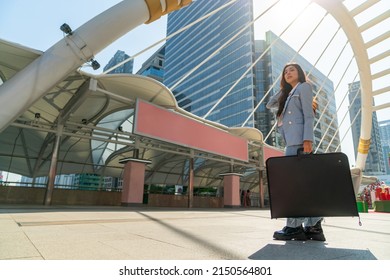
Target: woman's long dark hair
{"points": [[285, 87]]}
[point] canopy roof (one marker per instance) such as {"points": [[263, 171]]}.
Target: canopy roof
{"points": [[94, 116]]}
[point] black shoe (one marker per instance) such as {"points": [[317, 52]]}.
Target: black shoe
{"points": [[290, 233], [315, 232]]}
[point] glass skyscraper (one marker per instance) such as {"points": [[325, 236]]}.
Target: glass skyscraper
{"points": [[384, 129], [203, 88], [154, 66], [117, 58]]}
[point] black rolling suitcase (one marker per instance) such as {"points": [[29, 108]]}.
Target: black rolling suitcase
{"points": [[310, 185]]}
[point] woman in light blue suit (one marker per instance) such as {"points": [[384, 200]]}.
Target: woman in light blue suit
{"points": [[294, 104]]}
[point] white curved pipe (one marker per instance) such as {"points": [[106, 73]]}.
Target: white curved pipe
{"points": [[31, 83]]}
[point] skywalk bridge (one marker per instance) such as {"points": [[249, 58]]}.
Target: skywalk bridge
{"points": [[60, 119]]}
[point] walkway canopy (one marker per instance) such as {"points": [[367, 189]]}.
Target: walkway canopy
{"points": [[93, 115]]}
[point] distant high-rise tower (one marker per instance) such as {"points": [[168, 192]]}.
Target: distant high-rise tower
{"points": [[154, 66], [375, 162], [116, 59], [203, 88], [384, 128]]}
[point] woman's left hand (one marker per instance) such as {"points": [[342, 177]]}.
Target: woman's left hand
{"points": [[314, 105], [307, 147]]}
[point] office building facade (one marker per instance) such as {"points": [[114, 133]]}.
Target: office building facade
{"points": [[119, 57], [153, 67], [384, 129], [203, 88]]}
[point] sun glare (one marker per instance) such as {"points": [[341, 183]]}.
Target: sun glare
{"points": [[280, 16]]}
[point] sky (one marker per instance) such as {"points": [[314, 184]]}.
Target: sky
{"points": [[36, 24]]}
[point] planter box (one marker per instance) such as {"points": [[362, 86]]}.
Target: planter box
{"points": [[382, 206], [362, 206]]}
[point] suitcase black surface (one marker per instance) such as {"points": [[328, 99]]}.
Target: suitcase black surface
{"points": [[310, 185]]}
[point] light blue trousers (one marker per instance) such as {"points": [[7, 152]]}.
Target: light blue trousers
{"points": [[306, 221]]}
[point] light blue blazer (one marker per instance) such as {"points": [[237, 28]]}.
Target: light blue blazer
{"points": [[298, 117]]}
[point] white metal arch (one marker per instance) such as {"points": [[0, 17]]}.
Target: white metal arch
{"points": [[346, 19]]}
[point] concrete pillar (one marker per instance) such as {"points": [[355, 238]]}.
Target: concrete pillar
{"points": [[231, 187], [191, 183], [261, 188], [133, 181], [53, 167]]}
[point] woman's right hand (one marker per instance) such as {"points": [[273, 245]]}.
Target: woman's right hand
{"points": [[307, 147]]}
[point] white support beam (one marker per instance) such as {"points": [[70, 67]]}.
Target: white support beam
{"points": [[380, 107], [380, 91], [68, 54], [381, 74], [75, 49], [363, 7], [375, 21], [378, 39], [380, 56]]}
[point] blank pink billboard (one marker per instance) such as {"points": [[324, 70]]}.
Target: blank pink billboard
{"points": [[271, 152], [159, 123]]}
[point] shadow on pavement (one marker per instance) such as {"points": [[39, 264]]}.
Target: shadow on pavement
{"points": [[306, 251]]}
